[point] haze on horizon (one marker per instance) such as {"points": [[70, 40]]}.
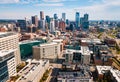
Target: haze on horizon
{"points": [[97, 9]]}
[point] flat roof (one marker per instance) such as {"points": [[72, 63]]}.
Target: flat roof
{"points": [[5, 34], [84, 51], [48, 44], [115, 72], [28, 41], [102, 69], [74, 75], [30, 72], [89, 40], [5, 52], [57, 40]]}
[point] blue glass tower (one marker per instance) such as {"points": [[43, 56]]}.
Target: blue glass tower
{"points": [[77, 20], [55, 16]]}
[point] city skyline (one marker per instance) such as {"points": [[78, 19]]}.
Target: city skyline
{"points": [[97, 9]]}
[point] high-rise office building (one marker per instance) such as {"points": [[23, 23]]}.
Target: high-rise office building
{"points": [[7, 65], [81, 20], [52, 25], [55, 16], [77, 20], [47, 19], [86, 16], [63, 16], [67, 22], [35, 20], [42, 25], [10, 41], [84, 22], [22, 24], [56, 24], [62, 26], [41, 15]]}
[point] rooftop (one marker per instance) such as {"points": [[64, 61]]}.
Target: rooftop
{"points": [[30, 72], [115, 72], [5, 34], [28, 41], [102, 69], [5, 52], [48, 44], [88, 40], [84, 51], [57, 40], [83, 73]]}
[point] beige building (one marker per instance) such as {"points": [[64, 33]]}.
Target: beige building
{"points": [[34, 71], [7, 65], [10, 41], [46, 51], [78, 56]]}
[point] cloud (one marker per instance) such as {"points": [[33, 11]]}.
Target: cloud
{"points": [[50, 5], [53, 0], [8, 1]]}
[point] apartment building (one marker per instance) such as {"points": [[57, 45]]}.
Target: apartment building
{"points": [[7, 64], [81, 56], [46, 51], [10, 41]]}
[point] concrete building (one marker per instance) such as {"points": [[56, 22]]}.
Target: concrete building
{"points": [[113, 73], [62, 26], [10, 41], [77, 20], [56, 24], [7, 64], [73, 77], [34, 71], [81, 56], [52, 25], [41, 15], [42, 25], [64, 16], [22, 24], [26, 47], [60, 45], [35, 20], [46, 51]]}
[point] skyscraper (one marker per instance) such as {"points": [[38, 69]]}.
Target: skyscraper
{"points": [[63, 16], [77, 20], [47, 19], [41, 15], [84, 22], [35, 20], [42, 25], [56, 24], [52, 25], [67, 22], [55, 16], [86, 16], [62, 26], [22, 24]]}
